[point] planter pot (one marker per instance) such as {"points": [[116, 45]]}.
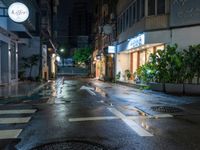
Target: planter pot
{"points": [[156, 86], [192, 89], [174, 88]]}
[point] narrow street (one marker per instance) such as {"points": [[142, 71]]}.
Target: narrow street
{"points": [[79, 115]]}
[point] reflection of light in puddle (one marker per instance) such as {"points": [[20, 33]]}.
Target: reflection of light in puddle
{"points": [[100, 91], [144, 125]]}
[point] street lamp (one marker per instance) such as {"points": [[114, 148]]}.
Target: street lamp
{"points": [[62, 50]]}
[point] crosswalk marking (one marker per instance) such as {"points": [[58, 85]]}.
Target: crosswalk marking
{"points": [[13, 133], [10, 134], [22, 111], [14, 120]]}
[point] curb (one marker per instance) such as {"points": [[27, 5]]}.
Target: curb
{"points": [[36, 89]]}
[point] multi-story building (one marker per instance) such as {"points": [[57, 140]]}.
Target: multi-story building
{"points": [[144, 26], [48, 33], [80, 24], [17, 40], [22, 40], [104, 40], [74, 25]]}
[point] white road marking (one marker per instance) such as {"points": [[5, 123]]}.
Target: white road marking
{"points": [[24, 111], [14, 120], [10, 134], [134, 126], [89, 90], [163, 116], [93, 118]]}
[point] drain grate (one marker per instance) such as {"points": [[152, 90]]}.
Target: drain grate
{"points": [[71, 145], [166, 109]]}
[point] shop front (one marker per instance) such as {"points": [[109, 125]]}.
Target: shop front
{"points": [[104, 63], [135, 52]]}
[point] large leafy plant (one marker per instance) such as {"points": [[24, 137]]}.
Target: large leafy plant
{"points": [[192, 63], [30, 62]]}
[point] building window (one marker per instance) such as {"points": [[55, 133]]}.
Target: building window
{"points": [[138, 10], [133, 13], [142, 8], [127, 19], [160, 7], [151, 7], [156, 7], [130, 16], [123, 22]]}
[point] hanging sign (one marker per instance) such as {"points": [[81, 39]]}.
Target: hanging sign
{"points": [[18, 12]]}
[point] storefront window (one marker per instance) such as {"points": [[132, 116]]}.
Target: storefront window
{"points": [[149, 52], [142, 57], [135, 61]]}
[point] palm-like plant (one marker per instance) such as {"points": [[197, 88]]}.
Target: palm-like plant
{"points": [[29, 62]]}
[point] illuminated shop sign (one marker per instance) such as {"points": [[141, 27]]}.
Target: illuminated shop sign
{"points": [[18, 12], [136, 41], [111, 49]]}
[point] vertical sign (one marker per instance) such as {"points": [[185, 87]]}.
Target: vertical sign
{"points": [[44, 55]]}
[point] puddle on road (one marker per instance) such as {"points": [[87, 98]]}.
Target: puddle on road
{"points": [[101, 92]]}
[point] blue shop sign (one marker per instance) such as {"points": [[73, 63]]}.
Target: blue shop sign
{"points": [[136, 41]]}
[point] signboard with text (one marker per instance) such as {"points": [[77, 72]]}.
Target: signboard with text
{"points": [[18, 12], [136, 41], [111, 49]]}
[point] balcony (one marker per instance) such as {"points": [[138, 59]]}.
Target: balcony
{"points": [[146, 24]]}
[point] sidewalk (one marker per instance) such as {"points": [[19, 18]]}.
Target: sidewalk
{"points": [[145, 99], [18, 89]]}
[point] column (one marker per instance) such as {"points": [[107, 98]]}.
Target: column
{"points": [[0, 62], [9, 62], [16, 44]]}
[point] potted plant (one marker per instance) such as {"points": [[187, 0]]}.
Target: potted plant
{"points": [[192, 65], [174, 70], [158, 67], [128, 74], [30, 62], [118, 76]]}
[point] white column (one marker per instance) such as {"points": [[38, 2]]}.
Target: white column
{"points": [[9, 62], [0, 62], [17, 48]]}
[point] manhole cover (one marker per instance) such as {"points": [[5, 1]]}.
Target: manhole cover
{"points": [[166, 109], [71, 145]]}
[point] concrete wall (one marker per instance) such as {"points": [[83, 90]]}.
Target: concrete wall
{"points": [[28, 50], [186, 36], [123, 63]]}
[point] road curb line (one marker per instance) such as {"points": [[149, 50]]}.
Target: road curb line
{"points": [[37, 89]]}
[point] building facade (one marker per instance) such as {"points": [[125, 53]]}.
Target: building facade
{"points": [[23, 40], [48, 34], [12, 37], [103, 60], [144, 26]]}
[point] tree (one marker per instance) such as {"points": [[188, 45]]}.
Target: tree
{"points": [[29, 62], [82, 55]]}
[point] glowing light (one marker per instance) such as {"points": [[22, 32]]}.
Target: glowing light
{"points": [[58, 58], [18, 12]]}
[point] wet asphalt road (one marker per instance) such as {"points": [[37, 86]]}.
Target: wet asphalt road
{"points": [[75, 114]]}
